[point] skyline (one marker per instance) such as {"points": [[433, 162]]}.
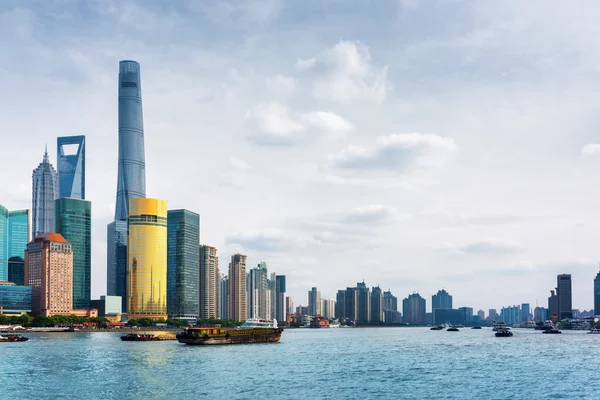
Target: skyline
{"points": [[513, 205]]}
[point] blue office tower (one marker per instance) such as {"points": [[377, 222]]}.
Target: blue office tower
{"points": [[71, 166], [131, 180], [14, 235]]}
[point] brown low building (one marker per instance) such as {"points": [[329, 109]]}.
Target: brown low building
{"points": [[49, 272]]}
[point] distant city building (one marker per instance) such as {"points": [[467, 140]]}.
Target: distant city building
{"points": [[183, 265], [210, 283], [597, 294], [147, 259], [376, 305], [540, 314], [272, 295], [525, 312], [328, 308], [390, 302], [237, 288], [364, 303], [449, 316], [223, 311], [413, 309], [314, 302], [565, 297], [289, 306], [351, 304], [16, 270], [258, 292], [14, 299], [481, 315], [73, 220], [45, 191], [107, 306], [553, 306], [280, 304], [14, 236], [302, 310], [441, 299], [49, 273], [70, 163], [468, 311], [511, 315], [116, 261], [492, 315]]}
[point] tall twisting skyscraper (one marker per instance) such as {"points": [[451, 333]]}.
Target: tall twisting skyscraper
{"points": [[131, 180], [45, 191]]}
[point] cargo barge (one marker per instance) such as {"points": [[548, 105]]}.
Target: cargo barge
{"points": [[253, 331]]}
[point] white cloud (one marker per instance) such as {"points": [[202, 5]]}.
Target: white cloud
{"points": [[272, 240], [281, 83], [489, 247], [352, 76], [238, 163], [328, 122], [591, 149], [275, 124], [373, 214], [302, 65], [396, 152]]}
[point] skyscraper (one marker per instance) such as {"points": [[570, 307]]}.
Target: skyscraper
{"points": [[553, 305], [237, 288], [210, 283], [223, 297], [440, 300], [565, 300], [45, 191], [364, 302], [289, 306], [183, 264], [14, 236], [131, 180], [73, 219], [71, 166], [257, 290], [314, 302], [49, 272], [280, 290], [340, 304], [147, 258], [413, 309], [376, 304], [351, 304], [525, 310], [116, 261], [597, 294]]}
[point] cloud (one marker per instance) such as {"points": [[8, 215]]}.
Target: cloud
{"points": [[374, 214], [281, 83], [328, 122], [238, 163], [351, 75], [397, 152], [591, 149], [302, 65], [488, 247], [262, 241]]}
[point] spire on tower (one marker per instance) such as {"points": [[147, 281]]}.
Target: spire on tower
{"points": [[46, 159]]}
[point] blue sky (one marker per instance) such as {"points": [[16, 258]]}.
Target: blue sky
{"points": [[415, 145]]}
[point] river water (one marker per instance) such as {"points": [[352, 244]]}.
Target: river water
{"points": [[354, 363]]}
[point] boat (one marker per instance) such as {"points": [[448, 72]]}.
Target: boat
{"points": [[145, 337], [13, 338], [503, 332], [499, 325], [452, 329], [252, 331], [436, 328], [551, 330], [595, 331], [476, 327]]}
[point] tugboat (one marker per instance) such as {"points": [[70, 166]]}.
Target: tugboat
{"points": [[253, 331], [503, 332], [13, 338], [452, 329]]}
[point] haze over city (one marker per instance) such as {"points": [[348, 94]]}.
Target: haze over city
{"points": [[416, 149]]}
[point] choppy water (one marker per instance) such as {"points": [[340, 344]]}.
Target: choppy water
{"points": [[357, 363]]}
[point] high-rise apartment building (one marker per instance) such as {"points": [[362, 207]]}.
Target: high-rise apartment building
{"points": [[183, 264], [328, 308], [210, 283], [565, 297], [116, 261], [390, 307], [314, 302], [272, 295], [49, 273], [147, 258], [14, 236], [223, 311], [441, 299], [540, 314], [289, 306], [45, 191], [525, 310], [364, 302], [73, 220], [258, 292], [510, 315], [413, 309], [70, 162], [553, 305], [481, 315], [597, 294], [351, 304], [237, 288], [492, 314], [340, 304], [376, 304], [280, 306]]}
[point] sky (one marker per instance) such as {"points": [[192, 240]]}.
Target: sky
{"points": [[415, 145]]}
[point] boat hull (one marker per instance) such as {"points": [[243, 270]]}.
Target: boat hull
{"points": [[233, 337]]}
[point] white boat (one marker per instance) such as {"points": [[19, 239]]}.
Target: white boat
{"points": [[499, 325], [595, 331], [258, 323]]}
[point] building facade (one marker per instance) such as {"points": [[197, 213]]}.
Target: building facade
{"points": [[14, 236], [14, 299], [565, 296], [289, 306], [413, 309], [183, 264], [44, 192], [441, 299], [449, 316], [376, 305], [553, 306], [116, 261], [280, 303], [257, 289], [597, 294], [525, 310], [314, 301], [73, 220], [510, 315], [210, 283], [147, 259], [49, 273], [238, 309], [364, 303], [223, 311], [70, 162], [540, 314]]}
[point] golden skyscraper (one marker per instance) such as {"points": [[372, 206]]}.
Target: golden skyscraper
{"points": [[147, 258]]}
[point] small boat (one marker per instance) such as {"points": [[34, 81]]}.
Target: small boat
{"points": [[436, 328], [498, 325], [503, 332], [595, 331], [13, 338], [253, 331], [476, 327], [452, 329], [551, 330]]}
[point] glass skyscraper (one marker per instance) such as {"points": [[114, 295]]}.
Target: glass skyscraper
{"points": [[183, 264], [14, 236], [147, 259], [71, 166], [131, 180], [73, 218], [116, 260], [597, 294], [45, 191]]}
